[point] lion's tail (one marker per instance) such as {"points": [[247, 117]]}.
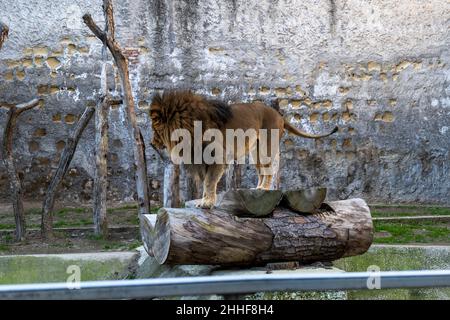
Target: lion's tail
{"points": [[276, 105], [297, 132]]}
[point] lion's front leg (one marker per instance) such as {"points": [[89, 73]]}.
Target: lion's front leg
{"points": [[212, 178]]}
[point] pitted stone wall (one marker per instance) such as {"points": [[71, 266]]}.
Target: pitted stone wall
{"points": [[378, 69]]}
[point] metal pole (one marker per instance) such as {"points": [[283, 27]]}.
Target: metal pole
{"points": [[139, 289]]}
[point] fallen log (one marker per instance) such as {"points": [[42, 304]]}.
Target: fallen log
{"points": [[195, 236]]}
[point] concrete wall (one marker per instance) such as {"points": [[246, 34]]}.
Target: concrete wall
{"points": [[377, 68]]}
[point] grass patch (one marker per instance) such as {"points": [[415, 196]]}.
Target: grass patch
{"points": [[124, 208], [34, 211], [70, 224], [408, 210], [7, 226], [154, 210], [412, 232], [65, 211]]}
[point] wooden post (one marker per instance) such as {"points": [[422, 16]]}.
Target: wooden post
{"points": [[63, 166], [122, 66], [4, 30], [8, 159], [215, 237], [101, 168]]}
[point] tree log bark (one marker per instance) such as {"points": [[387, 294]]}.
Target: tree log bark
{"points": [[195, 236], [8, 159], [63, 166], [101, 168], [122, 65]]}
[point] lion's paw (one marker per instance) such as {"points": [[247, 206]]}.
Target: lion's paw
{"points": [[206, 204]]}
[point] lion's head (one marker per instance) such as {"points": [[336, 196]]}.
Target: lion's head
{"points": [[178, 110]]}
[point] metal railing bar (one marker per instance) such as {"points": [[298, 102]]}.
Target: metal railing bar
{"points": [[233, 284]]}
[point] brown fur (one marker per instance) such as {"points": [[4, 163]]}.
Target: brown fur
{"points": [[179, 109]]}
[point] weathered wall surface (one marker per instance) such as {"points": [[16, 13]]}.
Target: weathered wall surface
{"points": [[379, 69]]}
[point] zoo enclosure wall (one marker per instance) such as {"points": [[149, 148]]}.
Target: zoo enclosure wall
{"points": [[379, 70]]}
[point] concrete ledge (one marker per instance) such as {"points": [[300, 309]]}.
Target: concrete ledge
{"points": [[26, 269]]}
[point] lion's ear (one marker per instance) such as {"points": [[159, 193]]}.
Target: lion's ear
{"points": [[155, 110]]}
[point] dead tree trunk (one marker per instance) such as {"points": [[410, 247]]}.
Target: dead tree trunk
{"points": [[122, 66], [101, 168], [4, 30], [192, 186], [172, 186], [233, 176], [63, 166], [195, 236], [101, 137], [8, 159]]}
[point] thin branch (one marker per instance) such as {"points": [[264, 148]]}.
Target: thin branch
{"points": [[87, 18], [27, 106], [63, 166]]}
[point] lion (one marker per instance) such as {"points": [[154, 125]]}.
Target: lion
{"points": [[180, 109]]}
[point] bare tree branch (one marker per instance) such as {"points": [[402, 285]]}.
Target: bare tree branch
{"points": [[122, 65], [110, 26], [8, 159], [27, 106], [4, 31]]}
